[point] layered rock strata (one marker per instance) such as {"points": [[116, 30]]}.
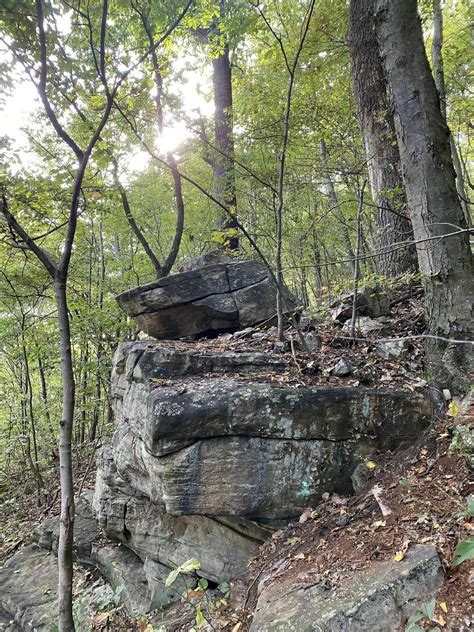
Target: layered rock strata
{"points": [[213, 450], [218, 297]]}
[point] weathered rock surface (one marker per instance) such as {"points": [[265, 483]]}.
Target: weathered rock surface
{"points": [[379, 599], [208, 258], [206, 464], [217, 297], [370, 301], [222, 545], [86, 530], [217, 446], [28, 584]]}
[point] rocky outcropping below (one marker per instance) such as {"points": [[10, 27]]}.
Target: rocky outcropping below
{"points": [[380, 599], [213, 451], [214, 298]]}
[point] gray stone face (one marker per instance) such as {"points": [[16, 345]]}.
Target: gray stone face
{"points": [[380, 599], [217, 446], [86, 530], [222, 545], [28, 584], [372, 302], [392, 349], [201, 460], [216, 297], [124, 569]]}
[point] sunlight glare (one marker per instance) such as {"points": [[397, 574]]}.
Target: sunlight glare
{"points": [[172, 137]]}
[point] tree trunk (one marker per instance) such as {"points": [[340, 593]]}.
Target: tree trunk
{"points": [[336, 207], [45, 400], [438, 74], [223, 163], [446, 264], [378, 130], [66, 523]]}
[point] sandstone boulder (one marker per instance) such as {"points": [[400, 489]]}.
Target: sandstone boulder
{"points": [[370, 301], [222, 545], [206, 464], [217, 297], [379, 599], [28, 584]]}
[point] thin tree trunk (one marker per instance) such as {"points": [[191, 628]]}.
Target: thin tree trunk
{"points": [[335, 206], [44, 398], [36, 471], [177, 184], [84, 394], [438, 74], [446, 264], [378, 130], [133, 224], [224, 170], [357, 262], [100, 347], [66, 521]]}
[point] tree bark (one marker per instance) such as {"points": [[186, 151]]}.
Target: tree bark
{"points": [[438, 74], [223, 124], [446, 264], [336, 207], [378, 130], [66, 522]]}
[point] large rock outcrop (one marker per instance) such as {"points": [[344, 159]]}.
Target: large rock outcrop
{"points": [[217, 297], [213, 450]]}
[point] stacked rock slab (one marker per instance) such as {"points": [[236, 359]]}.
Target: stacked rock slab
{"points": [[214, 450], [218, 297]]}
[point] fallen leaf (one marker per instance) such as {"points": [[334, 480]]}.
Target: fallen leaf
{"points": [[443, 606], [399, 556], [371, 465]]}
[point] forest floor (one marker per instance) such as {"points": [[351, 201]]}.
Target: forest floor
{"points": [[330, 341]]}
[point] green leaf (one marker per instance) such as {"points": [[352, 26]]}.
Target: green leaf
{"points": [[172, 577], [189, 566], [200, 618], [224, 588], [203, 583], [428, 609], [470, 506], [463, 551], [416, 616]]}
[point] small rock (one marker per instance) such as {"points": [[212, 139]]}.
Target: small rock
{"points": [[447, 394], [373, 302], [342, 368], [366, 325], [226, 337], [279, 347], [312, 366], [360, 477], [392, 349], [313, 341], [258, 335]]}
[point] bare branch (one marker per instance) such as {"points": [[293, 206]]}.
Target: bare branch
{"points": [[42, 86], [42, 255]]}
